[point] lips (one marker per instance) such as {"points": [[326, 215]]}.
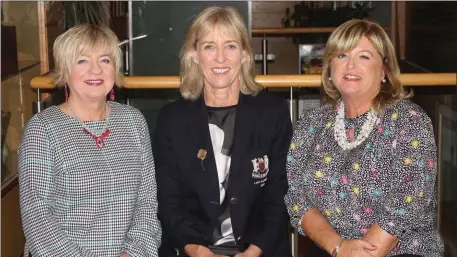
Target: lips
{"points": [[94, 82], [351, 77], [220, 70]]}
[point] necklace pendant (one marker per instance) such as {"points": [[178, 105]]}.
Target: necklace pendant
{"points": [[99, 142]]}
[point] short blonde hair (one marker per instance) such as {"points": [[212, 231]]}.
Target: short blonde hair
{"points": [[230, 21], [344, 39], [80, 40]]}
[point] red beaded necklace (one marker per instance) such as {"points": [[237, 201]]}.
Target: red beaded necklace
{"points": [[99, 140]]}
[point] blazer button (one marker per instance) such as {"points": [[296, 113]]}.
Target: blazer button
{"points": [[233, 200]]}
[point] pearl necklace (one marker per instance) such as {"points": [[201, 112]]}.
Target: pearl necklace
{"points": [[339, 130], [98, 136]]}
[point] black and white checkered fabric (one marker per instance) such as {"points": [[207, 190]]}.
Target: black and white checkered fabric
{"points": [[77, 200]]}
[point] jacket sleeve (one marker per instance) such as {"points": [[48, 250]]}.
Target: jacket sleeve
{"points": [[412, 201], [176, 221], [275, 212], [44, 236], [297, 200], [143, 237]]}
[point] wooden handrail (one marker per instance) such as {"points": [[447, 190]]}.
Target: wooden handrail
{"points": [[145, 82], [283, 31]]}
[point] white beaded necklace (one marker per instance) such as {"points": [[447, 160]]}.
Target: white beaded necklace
{"points": [[339, 130]]}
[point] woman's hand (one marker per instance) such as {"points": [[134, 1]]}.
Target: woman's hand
{"points": [[356, 248], [199, 251], [252, 251]]}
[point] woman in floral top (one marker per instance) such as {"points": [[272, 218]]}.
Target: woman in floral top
{"points": [[362, 168]]}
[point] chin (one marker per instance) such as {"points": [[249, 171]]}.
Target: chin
{"points": [[220, 85], [97, 96]]}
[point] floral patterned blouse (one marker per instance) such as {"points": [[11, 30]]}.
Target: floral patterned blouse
{"points": [[387, 180]]}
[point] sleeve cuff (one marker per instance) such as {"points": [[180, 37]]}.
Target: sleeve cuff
{"points": [[392, 227], [132, 251], [296, 213], [299, 228]]}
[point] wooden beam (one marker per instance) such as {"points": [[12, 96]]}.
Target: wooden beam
{"points": [[43, 41], [401, 23], [149, 82], [43, 37], [394, 27]]}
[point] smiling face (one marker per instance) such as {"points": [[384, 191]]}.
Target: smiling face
{"points": [[219, 57], [92, 76], [358, 72]]}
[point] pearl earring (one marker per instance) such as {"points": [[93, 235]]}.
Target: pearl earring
{"points": [[329, 78], [383, 80]]}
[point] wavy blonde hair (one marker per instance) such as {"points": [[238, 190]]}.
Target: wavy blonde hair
{"points": [[229, 21], [344, 39], [80, 40]]}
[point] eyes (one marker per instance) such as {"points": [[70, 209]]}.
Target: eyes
{"points": [[84, 60], [361, 56], [213, 47]]}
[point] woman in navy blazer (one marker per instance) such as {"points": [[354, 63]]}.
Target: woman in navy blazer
{"points": [[220, 152]]}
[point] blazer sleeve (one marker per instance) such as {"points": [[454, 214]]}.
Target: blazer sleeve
{"points": [[143, 237], [176, 221], [44, 236], [275, 212]]}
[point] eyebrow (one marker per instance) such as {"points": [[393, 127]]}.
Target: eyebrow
{"points": [[101, 56], [212, 42], [367, 51]]}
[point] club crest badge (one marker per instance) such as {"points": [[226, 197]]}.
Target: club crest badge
{"points": [[260, 166]]}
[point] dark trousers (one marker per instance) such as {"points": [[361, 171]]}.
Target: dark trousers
{"points": [[315, 251]]}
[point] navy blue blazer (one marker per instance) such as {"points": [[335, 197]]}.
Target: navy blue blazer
{"points": [[188, 188]]}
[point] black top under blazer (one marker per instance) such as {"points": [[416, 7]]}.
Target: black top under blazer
{"points": [[188, 188]]}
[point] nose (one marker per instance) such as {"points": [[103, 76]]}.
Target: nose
{"points": [[95, 68], [220, 55], [350, 63]]}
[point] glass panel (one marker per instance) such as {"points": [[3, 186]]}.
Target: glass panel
{"points": [[165, 23], [17, 97], [447, 147]]}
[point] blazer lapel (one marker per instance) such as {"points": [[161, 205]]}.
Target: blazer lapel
{"points": [[244, 124], [208, 169]]}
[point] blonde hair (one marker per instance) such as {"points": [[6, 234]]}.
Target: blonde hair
{"points": [[344, 39], [228, 20], [80, 40]]}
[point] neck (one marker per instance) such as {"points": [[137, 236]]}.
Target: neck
{"points": [[356, 107], [88, 111], [221, 97]]}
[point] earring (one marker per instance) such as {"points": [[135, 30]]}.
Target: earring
{"points": [[111, 94], [329, 78], [66, 93], [383, 80]]}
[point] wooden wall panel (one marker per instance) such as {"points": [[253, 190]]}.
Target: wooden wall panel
{"points": [[12, 237]]}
